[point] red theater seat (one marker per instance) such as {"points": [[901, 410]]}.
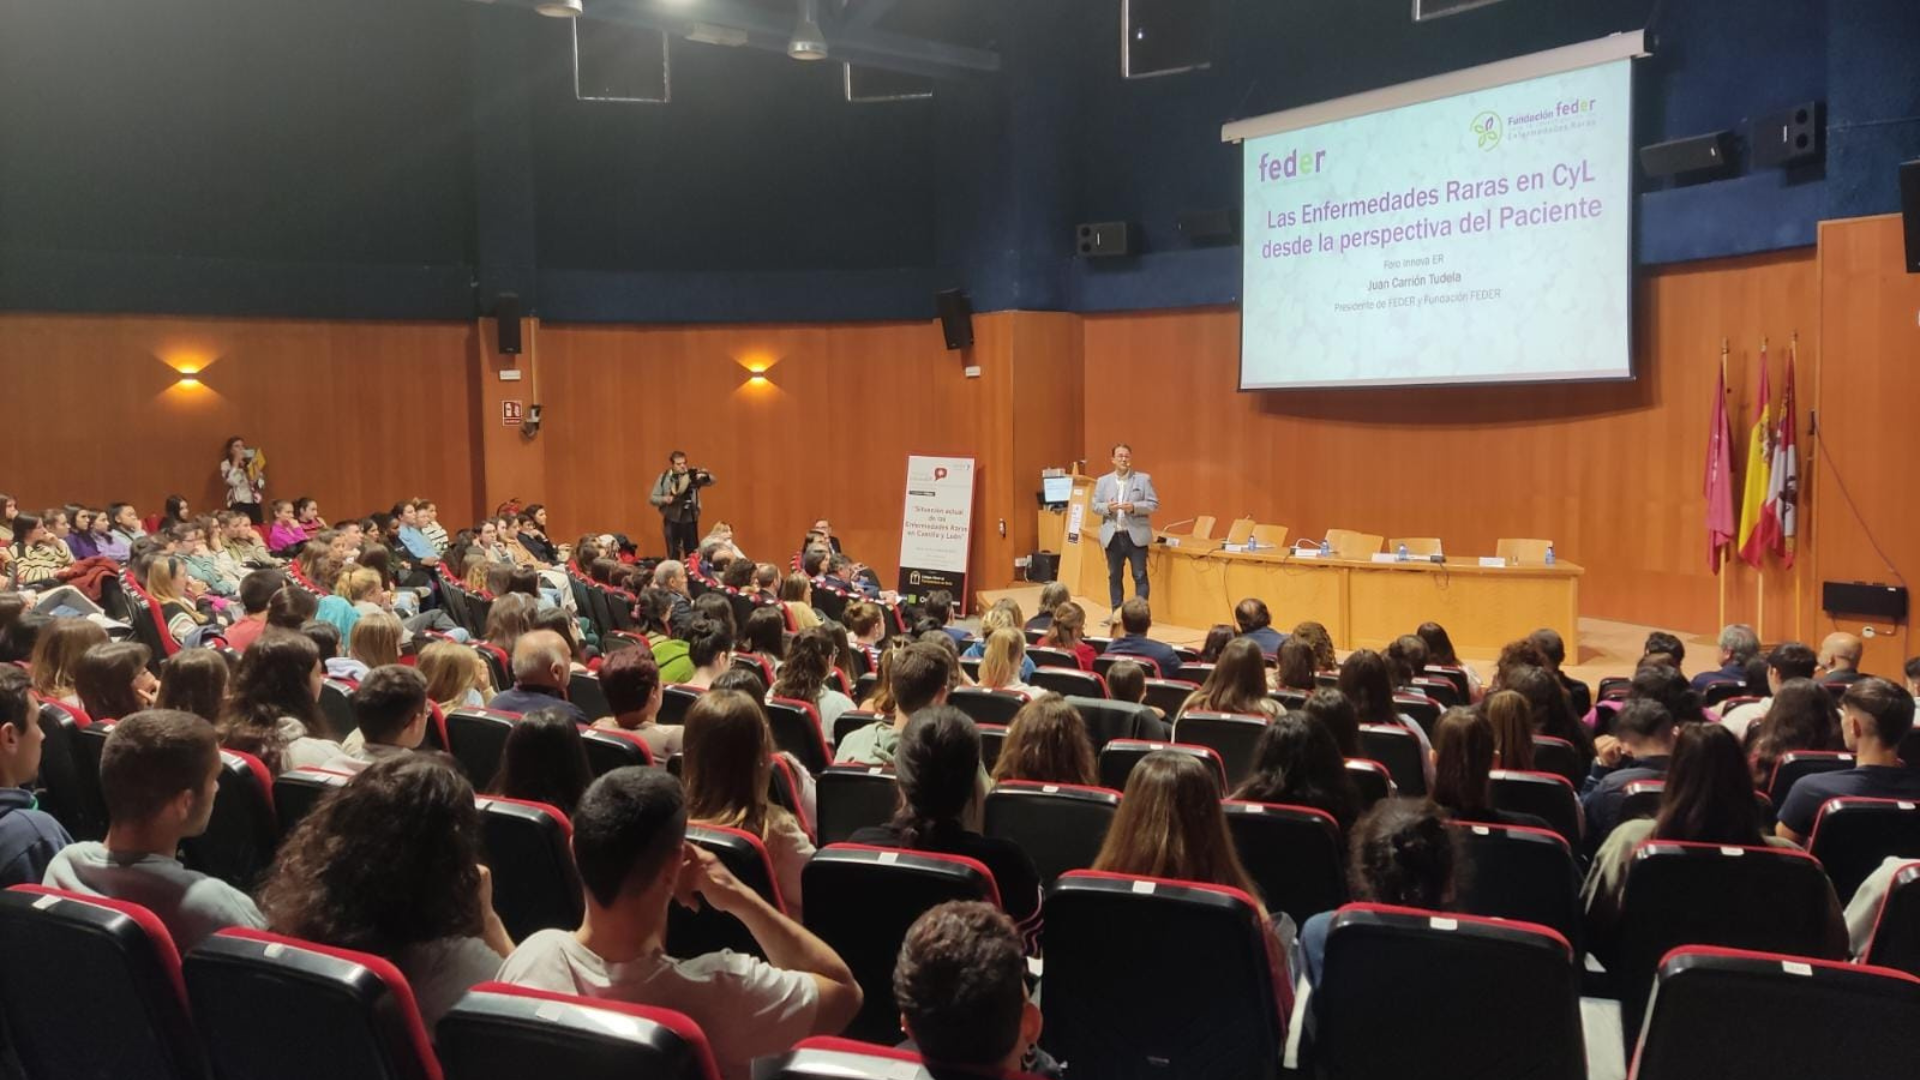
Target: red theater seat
{"points": [[503, 1032]]}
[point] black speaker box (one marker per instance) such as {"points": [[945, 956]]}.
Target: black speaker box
{"points": [[956, 317], [1103, 239], [1910, 207], [506, 314], [1204, 228], [1790, 137], [1887, 603], [1695, 153]]}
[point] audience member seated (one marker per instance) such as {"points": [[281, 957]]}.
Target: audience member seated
{"points": [[195, 681], [804, 677], [1738, 644], [1295, 670], [1047, 744], [867, 627], [374, 642], [1876, 715], [1255, 622], [1406, 657], [29, 836], [39, 556], [1068, 632], [1440, 652], [939, 607], [291, 608], [286, 533], [1052, 595], [113, 680], [544, 761], [1003, 615], [1801, 715], [1462, 763], [390, 715], [1217, 637], [390, 865], [796, 595], [938, 767], [200, 558], [542, 667], [1840, 659], [1004, 663], [1862, 914], [79, 539], [917, 677], [728, 767], [631, 682], [1170, 825], [158, 771], [167, 583], [1401, 853], [1788, 660], [629, 840], [275, 705], [1367, 681], [1237, 684], [256, 593], [1296, 762], [670, 577], [962, 988], [1708, 799], [1662, 647], [1127, 681], [1551, 711], [456, 676], [1512, 720], [710, 648], [764, 635], [56, 657], [1640, 750], [1136, 618]]}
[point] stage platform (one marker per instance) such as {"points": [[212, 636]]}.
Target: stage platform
{"points": [[1606, 647]]}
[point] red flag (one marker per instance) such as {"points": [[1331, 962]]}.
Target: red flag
{"points": [[1779, 519], [1718, 487]]}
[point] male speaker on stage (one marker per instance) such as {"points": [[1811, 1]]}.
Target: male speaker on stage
{"points": [[1123, 500]]}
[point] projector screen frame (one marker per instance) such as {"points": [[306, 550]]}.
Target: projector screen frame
{"points": [[1626, 46]]}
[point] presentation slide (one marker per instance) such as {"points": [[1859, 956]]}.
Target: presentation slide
{"points": [[1479, 238]]}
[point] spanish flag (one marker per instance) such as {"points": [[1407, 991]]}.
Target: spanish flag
{"points": [[1759, 477]]}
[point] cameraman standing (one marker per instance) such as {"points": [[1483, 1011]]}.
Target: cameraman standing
{"points": [[677, 495]]}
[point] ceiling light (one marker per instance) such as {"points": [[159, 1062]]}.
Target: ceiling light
{"points": [[808, 42], [559, 9]]}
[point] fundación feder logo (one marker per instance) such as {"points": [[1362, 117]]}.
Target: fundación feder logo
{"points": [[1487, 127]]}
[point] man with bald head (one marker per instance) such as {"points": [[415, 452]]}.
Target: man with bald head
{"points": [[1840, 659], [542, 667]]}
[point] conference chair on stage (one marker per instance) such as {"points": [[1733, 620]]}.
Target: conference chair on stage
{"points": [[1240, 531], [1351, 544], [1418, 547], [1514, 552], [1270, 536]]}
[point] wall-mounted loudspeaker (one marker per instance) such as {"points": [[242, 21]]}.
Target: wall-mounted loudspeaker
{"points": [[956, 317], [1910, 208], [1103, 239], [1695, 153], [506, 316], [1790, 137], [1204, 228]]}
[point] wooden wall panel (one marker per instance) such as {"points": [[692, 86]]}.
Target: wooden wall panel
{"points": [[356, 414], [1610, 471], [1869, 394]]}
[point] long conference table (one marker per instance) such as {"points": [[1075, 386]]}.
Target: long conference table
{"points": [[1366, 604]]}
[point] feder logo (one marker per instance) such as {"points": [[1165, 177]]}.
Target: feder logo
{"points": [[1486, 127], [1292, 165]]}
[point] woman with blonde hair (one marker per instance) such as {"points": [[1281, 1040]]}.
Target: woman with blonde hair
{"points": [[1068, 632], [1000, 666], [1237, 684], [166, 583], [456, 676], [796, 594], [729, 762], [1512, 720], [511, 616], [374, 642], [1003, 615], [56, 656], [1047, 743]]}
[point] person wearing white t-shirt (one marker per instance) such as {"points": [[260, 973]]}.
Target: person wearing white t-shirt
{"points": [[629, 841]]}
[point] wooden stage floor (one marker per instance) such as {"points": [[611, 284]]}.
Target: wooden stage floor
{"points": [[1606, 647]]}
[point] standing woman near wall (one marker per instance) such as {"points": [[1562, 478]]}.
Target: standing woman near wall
{"points": [[243, 471]]}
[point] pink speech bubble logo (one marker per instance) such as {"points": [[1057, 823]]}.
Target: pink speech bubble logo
{"points": [[939, 474]]}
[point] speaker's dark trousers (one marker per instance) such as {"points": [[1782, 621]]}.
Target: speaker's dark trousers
{"points": [[683, 538], [1121, 551]]}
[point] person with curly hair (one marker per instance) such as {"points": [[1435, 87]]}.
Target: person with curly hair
{"points": [[390, 865], [1400, 853], [274, 712]]}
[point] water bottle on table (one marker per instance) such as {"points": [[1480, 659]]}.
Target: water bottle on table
{"points": [[1400, 555]]}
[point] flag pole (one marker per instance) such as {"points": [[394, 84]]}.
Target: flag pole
{"points": [[1799, 578], [1760, 572], [1725, 390]]}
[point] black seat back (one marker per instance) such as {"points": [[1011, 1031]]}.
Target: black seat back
{"points": [[1059, 826], [268, 1005], [1107, 720], [477, 738], [529, 847], [1558, 757], [796, 729], [1295, 854], [986, 706], [675, 700], [241, 835], [1118, 758], [1545, 795], [583, 689], [861, 900], [65, 789], [1762, 898], [1398, 748], [503, 1032], [76, 963], [1795, 764], [1045, 657], [1846, 1020], [696, 933], [852, 797], [1190, 994], [297, 792], [610, 748], [1168, 695], [1464, 992], [336, 704], [1852, 837], [1896, 928], [1371, 779], [1233, 736], [1519, 873]]}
